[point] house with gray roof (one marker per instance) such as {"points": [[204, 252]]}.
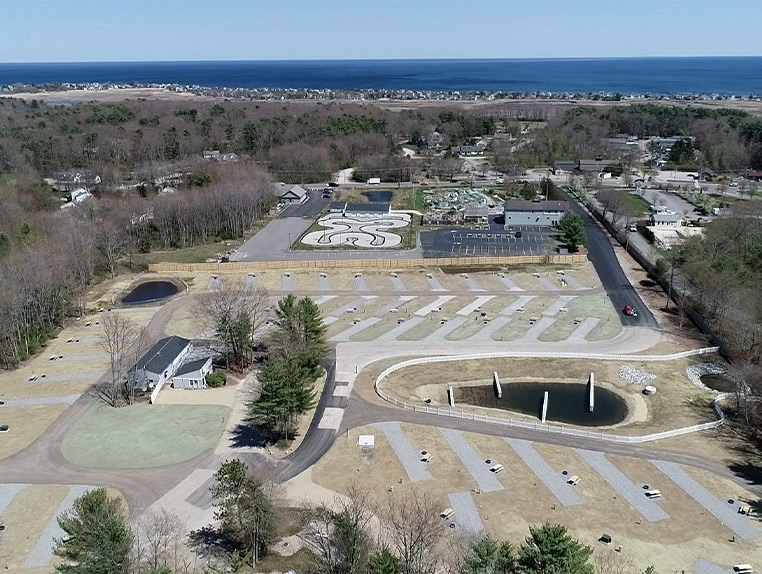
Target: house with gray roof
{"points": [[192, 375], [666, 218], [291, 193], [159, 363]]}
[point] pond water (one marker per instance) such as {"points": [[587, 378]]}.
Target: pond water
{"points": [[378, 196], [718, 383], [567, 402], [150, 291]]}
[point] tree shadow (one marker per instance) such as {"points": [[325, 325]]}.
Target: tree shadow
{"points": [[210, 544], [244, 435]]}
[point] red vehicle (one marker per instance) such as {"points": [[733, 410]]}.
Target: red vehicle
{"points": [[630, 311]]}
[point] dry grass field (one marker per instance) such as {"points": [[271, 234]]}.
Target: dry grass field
{"points": [[507, 513]]}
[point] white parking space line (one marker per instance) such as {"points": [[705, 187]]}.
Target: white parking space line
{"points": [[353, 330], [474, 305], [450, 326], [490, 329], [519, 303], [399, 329], [423, 311], [557, 305], [385, 310], [538, 328], [584, 328]]}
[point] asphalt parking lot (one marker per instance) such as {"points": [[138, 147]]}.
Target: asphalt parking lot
{"points": [[310, 208], [496, 241]]}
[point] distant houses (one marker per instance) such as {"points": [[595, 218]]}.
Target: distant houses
{"points": [[220, 157], [66, 181]]}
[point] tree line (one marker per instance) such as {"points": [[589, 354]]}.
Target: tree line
{"points": [[353, 534]]}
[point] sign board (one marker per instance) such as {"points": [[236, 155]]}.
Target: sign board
{"points": [[366, 440]]}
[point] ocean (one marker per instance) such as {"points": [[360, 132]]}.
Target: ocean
{"points": [[655, 76]]}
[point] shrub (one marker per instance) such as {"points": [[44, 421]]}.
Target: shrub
{"points": [[216, 379], [647, 233]]}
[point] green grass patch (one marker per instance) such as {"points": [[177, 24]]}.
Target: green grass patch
{"points": [[144, 436], [636, 203], [301, 561]]}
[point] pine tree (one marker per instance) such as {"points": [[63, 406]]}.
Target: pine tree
{"points": [[572, 230], [550, 550], [97, 537]]}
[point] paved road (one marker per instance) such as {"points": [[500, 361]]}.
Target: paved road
{"points": [[602, 256], [310, 208]]}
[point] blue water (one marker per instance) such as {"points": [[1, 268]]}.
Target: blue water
{"points": [[740, 76]]}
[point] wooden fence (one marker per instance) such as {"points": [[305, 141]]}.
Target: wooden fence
{"points": [[247, 267]]}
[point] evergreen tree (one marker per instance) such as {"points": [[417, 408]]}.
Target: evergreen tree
{"points": [[489, 556], [244, 507], [550, 550], [287, 391], [384, 562], [97, 538], [572, 230]]}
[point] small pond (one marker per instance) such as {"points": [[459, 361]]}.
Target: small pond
{"points": [[717, 382], [378, 196], [567, 402], [150, 292]]}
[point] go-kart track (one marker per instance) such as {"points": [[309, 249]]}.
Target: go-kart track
{"points": [[367, 233]]}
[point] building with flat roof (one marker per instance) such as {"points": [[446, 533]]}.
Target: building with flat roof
{"points": [[360, 209], [534, 213]]}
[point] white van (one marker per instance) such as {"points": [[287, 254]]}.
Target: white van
{"points": [[743, 569], [653, 493]]}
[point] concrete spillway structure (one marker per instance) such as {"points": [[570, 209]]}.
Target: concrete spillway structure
{"points": [[496, 385], [592, 392], [544, 407]]}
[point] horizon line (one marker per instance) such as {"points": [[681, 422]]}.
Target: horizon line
{"points": [[283, 60]]}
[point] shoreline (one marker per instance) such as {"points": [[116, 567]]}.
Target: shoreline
{"points": [[81, 95]]}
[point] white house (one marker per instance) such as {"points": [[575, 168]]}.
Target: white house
{"points": [[192, 375], [666, 219], [159, 363]]}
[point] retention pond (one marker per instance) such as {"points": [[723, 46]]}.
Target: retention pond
{"points": [[567, 402], [150, 292]]}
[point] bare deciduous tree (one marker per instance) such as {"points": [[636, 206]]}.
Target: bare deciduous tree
{"points": [[414, 529], [234, 313], [341, 533], [112, 242], [124, 341], [607, 561], [158, 542]]}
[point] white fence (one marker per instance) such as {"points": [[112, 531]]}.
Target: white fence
{"points": [[544, 427]]}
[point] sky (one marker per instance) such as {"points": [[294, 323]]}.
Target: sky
{"points": [[168, 30]]}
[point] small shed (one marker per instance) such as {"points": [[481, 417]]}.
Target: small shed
{"points": [[192, 375]]}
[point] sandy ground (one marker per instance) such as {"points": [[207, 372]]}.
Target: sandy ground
{"points": [[507, 514], [26, 424]]}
